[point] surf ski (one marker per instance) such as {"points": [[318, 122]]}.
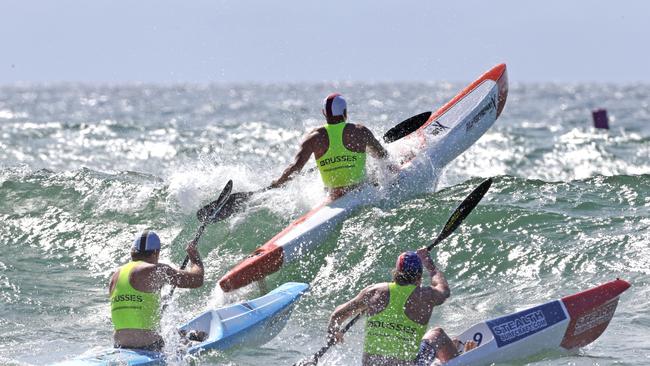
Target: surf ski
{"points": [[251, 323], [447, 133], [565, 324]]}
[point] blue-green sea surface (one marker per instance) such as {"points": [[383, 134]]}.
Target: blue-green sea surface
{"points": [[84, 168]]}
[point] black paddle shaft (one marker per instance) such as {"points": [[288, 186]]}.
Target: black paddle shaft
{"points": [[452, 224], [313, 360], [462, 211], [208, 216]]}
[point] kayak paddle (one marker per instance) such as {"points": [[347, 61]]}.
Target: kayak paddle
{"points": [[462, 211], [236, 199], [406, 127], [206, 215], [313, 360], [456, 218]]}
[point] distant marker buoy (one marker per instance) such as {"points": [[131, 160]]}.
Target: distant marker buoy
{"points": [[600, 118]]}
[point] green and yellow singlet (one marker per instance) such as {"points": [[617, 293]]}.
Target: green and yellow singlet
{"points": [[133, 309], [340, 167], [390, 333]]}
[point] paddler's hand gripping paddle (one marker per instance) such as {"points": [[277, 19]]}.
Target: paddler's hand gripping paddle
{"points": [[206, 215], [457, 217], [236, 200]]}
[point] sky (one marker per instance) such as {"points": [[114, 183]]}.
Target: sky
{"points": [[201, 41]]}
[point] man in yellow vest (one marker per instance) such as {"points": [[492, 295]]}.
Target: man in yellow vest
{"points": [[135, 292], [339, 148], [398, 314]]}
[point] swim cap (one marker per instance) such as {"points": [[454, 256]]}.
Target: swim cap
{"points": [[409, 263], [334, 105], [146, 242]]}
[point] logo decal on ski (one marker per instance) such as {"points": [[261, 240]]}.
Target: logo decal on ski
{"points": [[492, 105], [511, 328]]}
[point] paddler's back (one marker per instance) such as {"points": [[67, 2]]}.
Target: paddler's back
{"points": [[391, 320], [419, 305], [356, 137], [143, 277], [135, 306]]}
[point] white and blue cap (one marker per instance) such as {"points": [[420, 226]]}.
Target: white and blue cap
{"points": [[146, 242], [334, 105]]}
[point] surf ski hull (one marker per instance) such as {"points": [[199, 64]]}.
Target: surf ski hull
{"points": [[565, 324], [250, 323], [448, 132]]}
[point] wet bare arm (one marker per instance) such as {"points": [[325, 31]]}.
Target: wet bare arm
{"points": [[189, 278], [439, 285], [375, 148], [112, 282], [301, 158], [355, 306]]}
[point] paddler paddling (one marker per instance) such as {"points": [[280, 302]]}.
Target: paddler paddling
{"points": [[339, 149], [398, 314], [135, 291]]}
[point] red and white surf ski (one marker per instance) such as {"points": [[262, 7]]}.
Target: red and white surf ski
{"points": [[565, 324], [448, 132]]}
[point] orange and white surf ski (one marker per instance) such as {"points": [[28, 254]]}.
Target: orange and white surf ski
{"points": [[448, 132]]}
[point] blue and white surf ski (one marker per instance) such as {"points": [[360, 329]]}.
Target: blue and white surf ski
{"points": [[250, 324]]}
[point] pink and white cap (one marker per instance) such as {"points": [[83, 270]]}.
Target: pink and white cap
{"points": [[334, 105]]}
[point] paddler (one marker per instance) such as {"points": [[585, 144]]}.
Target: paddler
{"points": [[339, 149], [135, 292], [398, 314]]}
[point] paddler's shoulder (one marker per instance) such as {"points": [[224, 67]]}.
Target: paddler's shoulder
{"points": [[358, 130], [375, 297], [315, 137], [359, 127], [429, 294], [153, 270], [355, 125], [376, 289], [145, 269], [315, 133], [150, 277]]}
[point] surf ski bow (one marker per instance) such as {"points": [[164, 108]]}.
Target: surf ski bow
{"points": [[250, 324], [448, 132], [565, 324]]}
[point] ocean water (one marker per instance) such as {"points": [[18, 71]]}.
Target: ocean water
{"points": [[83, 168]]}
